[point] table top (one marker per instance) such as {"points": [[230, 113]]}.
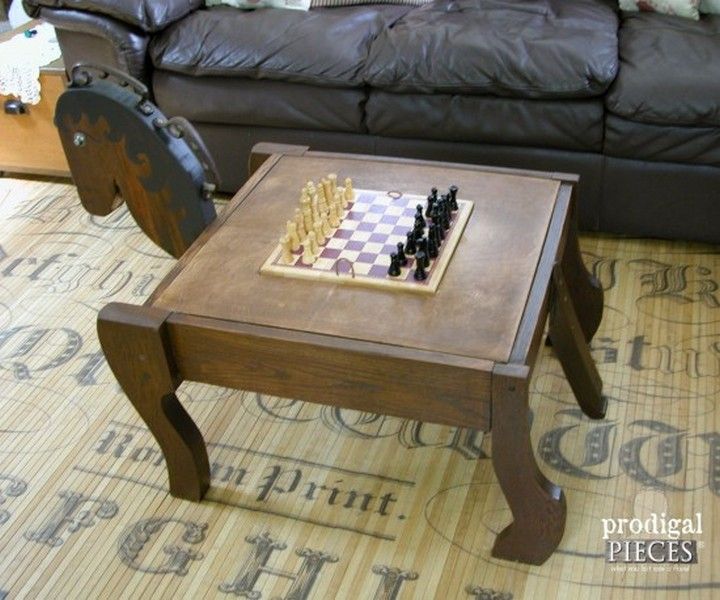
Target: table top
{"points": [[476, 311]]}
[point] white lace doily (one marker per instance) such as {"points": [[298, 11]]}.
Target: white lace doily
{"points": [[20, 61]]}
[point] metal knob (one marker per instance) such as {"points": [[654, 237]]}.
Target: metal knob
{"points": [[14, 107]]}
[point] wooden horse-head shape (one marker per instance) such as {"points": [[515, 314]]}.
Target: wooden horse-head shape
{"points": [[120, 147]]}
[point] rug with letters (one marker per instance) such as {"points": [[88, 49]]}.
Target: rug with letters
{"points": [[314, 502]]}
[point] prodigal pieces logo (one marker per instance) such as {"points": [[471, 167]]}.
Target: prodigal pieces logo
{"points": [[652, 537]]}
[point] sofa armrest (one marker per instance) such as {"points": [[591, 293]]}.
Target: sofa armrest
{"points": [[92, 38], [147, 15]]}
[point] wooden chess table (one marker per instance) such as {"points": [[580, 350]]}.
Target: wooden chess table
{"points": [[461, 356]]}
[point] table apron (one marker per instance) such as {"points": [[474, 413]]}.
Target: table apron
{"points": [[386, 380]]}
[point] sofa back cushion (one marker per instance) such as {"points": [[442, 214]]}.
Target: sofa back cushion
{"points": [[323, 47], [515, 48]]}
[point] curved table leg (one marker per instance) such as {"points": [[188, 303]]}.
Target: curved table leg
{"points": [[568, 341], [537, 505], [133, 339], [585, 290]]}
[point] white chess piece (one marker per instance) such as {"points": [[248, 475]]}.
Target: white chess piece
{"points": [[287, 255], [308, 256], [292, 234], [312, 243], [349, 195], [319, 234]]}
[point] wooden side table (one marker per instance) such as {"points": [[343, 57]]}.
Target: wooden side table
{"points": [[462, 356], [30, 142]]}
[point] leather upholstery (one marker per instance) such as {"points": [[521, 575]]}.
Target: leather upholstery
{"points": [[670, 71], [148, 15], [321, 47], [268, 103], [87, 37], [571, 124], [520, 48], [655, 199], [669, 143]]}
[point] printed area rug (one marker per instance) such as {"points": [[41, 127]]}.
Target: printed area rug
{"points": [[314, 502]]}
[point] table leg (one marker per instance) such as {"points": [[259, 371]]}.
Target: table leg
{"points": [[537, 505], [569, 342], [135, 344], [585, 290]]}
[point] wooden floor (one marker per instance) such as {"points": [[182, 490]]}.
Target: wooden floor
{"points": [[311, 502]]}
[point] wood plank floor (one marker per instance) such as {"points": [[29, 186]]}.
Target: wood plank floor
{"points": [[312, 502]]}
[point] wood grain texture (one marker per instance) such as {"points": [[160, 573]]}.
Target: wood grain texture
{"points": [[351, 374], [538, 506], [133, 339], [476, 311], [30, 143], [568, 341]]}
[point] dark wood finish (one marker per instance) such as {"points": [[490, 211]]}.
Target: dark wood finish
{"points": [[529, 335], [486, 283], [537, 505], [264, 150], [123, 157], [134, 340], [358, 375], [216, 319], [586, 292], [568, 341]]}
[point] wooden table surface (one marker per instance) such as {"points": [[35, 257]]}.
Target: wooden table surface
{"points": [[476, 311]]}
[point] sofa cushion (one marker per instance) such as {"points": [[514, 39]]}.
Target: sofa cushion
{"points": [[670, 71], [520, 48], [147, 15], [242, 101], [570, 125], [680, 8], [323, 47], [665, 143]]}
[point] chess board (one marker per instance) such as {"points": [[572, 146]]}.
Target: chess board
{"points": [[358, 251]]}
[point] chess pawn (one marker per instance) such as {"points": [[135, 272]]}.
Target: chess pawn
{"points": [[292, 234], [308, 256], [311, 242], [301, 231], [420, 273], [287, 255], [339, 203], [319, 234], [349, 193], [333, 217]]}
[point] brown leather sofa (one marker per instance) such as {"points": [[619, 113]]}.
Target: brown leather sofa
{"points": [[631, 102]]}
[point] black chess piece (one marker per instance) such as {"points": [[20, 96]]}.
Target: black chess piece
{"points": [[419, 215], [394, 269], [419, 227], [402, 259], [453, 197], [433, 193], [420, 273], [445, 218], [432, 249], [422, 249], [433, 234], [430, 204], [410, 247]]}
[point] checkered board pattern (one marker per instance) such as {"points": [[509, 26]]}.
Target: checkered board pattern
{"points": [[358, 251]]}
